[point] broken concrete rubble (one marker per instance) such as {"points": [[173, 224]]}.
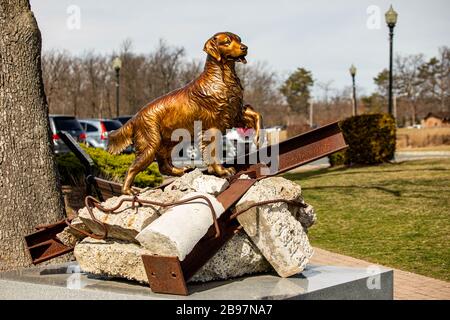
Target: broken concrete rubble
{"points": [[236, 258], [117, 258], [274, 229], [199, 182], [181, 227], [209, 184], [126, 223], [70, 236], [274, 234]]}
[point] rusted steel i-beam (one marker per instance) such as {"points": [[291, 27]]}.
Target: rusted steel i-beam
{"points": [[296, 151]]}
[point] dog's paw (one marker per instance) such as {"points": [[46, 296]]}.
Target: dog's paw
{"points": [[180, 171], [256, 141], [187, 169], [220, 171], [129, 192], [230, 171]]}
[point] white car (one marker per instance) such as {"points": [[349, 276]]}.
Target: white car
{"points": [[237, 140], [97, 131]]}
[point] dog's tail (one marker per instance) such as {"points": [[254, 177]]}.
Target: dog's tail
{"points": [[121, 138]]}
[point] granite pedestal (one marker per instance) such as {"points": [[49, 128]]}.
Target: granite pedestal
{"points": [[66, 281]]}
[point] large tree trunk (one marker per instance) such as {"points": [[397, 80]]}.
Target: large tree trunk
{"points": [[29, 194]]}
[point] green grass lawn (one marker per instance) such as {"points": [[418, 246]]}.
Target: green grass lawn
{"points": [[397, 215]]}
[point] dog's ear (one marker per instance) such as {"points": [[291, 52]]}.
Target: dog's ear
{"points": [[211, 49]]}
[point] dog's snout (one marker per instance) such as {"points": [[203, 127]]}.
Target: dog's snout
{"points": [[244, 47]]}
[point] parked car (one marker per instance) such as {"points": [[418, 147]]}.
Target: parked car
{"points": [[239, 140], [123, 119], [65, 123], [235, 141], [97, 131]]}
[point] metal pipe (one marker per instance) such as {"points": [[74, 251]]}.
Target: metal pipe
{"points": [[391, 45], [355, 105], [117, 91]]}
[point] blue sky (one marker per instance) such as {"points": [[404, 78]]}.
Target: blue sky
{"points": [[325, 37]]}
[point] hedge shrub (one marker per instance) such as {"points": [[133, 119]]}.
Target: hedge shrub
{"points": [[111, 167], [371, 139], [337, 158]]}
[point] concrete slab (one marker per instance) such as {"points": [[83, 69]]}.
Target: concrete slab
{"points": [[66, 281]]}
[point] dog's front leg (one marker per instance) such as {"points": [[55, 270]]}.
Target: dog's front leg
{"points": [[253, 119], [211, 147]]}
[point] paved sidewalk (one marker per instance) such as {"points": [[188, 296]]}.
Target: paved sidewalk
{"points": [[407, 285]]}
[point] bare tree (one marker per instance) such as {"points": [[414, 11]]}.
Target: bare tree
{"points": [[261, 91], [408, 82], [163, 67], [133, 94], [55, 69], [91, 69], [76, 86], [327, 89], [190, 70], [434, 78]]}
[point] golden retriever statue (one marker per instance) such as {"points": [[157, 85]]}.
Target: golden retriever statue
{"points": [[214, 98]]}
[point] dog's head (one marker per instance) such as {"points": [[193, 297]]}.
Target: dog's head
{"points": [[225, 46]]}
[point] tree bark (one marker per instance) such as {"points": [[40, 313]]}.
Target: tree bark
{"points": [[29, 190]]}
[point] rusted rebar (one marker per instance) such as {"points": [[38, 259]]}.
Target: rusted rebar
{"points": [[91, 202]]}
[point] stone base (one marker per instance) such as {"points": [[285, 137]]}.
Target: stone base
{"points": [[115, 258], [316, 282]]}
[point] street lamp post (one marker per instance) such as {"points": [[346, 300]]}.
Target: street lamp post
{"points": [[391, 20], [117, 65], [311, 113], [353, 74]]}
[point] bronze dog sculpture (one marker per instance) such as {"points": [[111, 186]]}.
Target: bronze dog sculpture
{"points": [[215, 98]]}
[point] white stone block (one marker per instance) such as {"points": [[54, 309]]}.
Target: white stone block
{"points": [[179, 229]]}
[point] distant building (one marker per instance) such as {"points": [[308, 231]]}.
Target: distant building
{"points": [[436, 120]]}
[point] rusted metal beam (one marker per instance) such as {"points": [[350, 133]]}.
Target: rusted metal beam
{"points": [[165, 274], [296, 151], [43, 245]]}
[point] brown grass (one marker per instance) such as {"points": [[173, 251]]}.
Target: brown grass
{"points": [[419, 138], [445, 148]]}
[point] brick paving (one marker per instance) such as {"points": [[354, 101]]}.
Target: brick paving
{"points": [[407, 285]]}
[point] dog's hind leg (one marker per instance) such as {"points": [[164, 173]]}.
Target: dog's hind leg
{"points": [[166, 167], [218, 170], [147, 142], [142, 161], [164, 159], [253, 119]]}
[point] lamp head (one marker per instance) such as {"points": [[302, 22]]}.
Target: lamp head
{"points": [[117, 64], [391, 17], [352, 70]]}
